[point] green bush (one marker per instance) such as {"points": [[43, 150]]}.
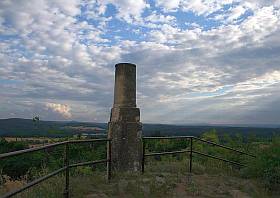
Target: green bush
{"points": [[29, 164], [266, 165]]}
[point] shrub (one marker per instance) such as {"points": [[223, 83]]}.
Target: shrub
{"points": [[266, 165]]}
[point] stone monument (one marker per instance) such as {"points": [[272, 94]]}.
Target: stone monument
{"points": [[125, 128]]}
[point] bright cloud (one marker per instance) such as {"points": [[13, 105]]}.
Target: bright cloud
{"points": [[168, 5], [128, 10], [62, 109]]}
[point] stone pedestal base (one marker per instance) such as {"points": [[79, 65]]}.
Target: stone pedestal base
{"points": [[125, 130], [126, 145]]}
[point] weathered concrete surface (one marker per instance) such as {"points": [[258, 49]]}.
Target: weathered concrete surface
{"points": [[125, 128], [125, 85]]}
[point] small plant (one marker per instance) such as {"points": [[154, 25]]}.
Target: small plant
{"points": [[193, 188]]}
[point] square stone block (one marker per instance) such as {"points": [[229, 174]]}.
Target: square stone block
{"points": [[126, 145]]}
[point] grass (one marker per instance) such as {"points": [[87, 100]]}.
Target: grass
{"points": [[166, 178]]}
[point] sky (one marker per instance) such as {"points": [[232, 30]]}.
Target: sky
{"points": [[198, 61]]}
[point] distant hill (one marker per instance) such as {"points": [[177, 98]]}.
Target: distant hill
{"points": [[26, 127], [161, 129]]}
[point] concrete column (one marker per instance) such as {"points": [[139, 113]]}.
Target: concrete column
{"points": [[125, 85], [125, 128]]}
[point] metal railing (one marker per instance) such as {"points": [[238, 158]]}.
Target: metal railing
{"points": [[190, 151], [66, 166]]}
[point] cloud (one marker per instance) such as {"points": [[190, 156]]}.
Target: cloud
{"points": [[160, 18], [62, 109], [128, 10], [210, 61], [168, 5], [204, 7], [260, 82]]}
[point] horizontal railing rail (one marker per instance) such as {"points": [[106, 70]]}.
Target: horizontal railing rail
{"points": [[167, 137], [167, 153], [191, 151], [66, 166], [222, 146], [218, 158], [33, 183], [15, 153], [87, 163]]}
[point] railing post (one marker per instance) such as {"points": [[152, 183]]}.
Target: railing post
{"points": [[143, 155], [66, 164], [191, 153], [109, 160]]}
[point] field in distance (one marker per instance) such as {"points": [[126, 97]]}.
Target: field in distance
{"points": [[16, 127]]}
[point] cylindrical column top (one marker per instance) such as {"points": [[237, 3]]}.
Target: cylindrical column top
{"points": [[125, 85]]}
